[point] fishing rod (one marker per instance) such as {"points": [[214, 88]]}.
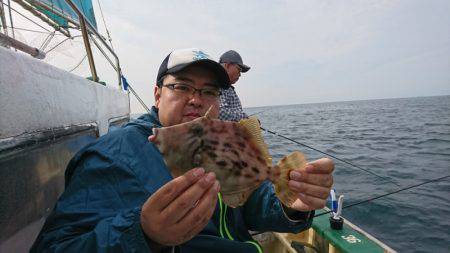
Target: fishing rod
{"points": [[386, 194], [325, 153]]}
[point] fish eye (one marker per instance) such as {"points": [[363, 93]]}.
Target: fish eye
{"points": [[197, 130]]}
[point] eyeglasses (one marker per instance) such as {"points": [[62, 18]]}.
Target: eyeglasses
{"points": [[238, 67], [186, 89]]}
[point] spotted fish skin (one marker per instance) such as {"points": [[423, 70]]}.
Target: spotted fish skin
{"points": [[224, 147]]}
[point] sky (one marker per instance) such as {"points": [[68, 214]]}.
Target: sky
{"points": [[299, 51]]}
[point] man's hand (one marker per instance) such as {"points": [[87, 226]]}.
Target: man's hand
{"points": [[312, 184], [181, 208]]}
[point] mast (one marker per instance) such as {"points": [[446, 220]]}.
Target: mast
{"points": [[87, 44]]}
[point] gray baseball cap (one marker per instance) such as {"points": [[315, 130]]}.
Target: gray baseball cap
{"points": [[234, 57]]}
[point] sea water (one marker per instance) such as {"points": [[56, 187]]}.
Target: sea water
{"points": [[406, 140]]}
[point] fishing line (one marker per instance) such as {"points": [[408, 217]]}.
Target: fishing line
{"points": [[325, 153], [387, 194], [257, 113]]}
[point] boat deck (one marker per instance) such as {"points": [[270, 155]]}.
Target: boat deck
{"points": [[322, 238]]}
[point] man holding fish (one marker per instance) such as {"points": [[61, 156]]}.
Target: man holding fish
{"points": [[125, 193]]}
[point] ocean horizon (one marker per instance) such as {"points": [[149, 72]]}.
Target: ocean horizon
{"points": [[342, 101], [250, 108]]}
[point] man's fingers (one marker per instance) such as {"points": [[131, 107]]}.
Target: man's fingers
{"points": [[309, 189], [321, 166], [204, 209], [170, 191], [161, 225], [152, 138], [200, 215], [189, 198], [312, 184], [312, 202], [324, 180]]}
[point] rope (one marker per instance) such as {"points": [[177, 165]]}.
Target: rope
{"points": [[47, 41], [64, 40], [36, 31], [337, 158], [32, 21], [104, 23], [78, 63], [28, 7], [387, 194]]}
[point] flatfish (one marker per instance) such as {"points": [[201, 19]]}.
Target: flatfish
{"points": [[234, 151]]}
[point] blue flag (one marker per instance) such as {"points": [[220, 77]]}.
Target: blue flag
{"points": [[124, 82]]}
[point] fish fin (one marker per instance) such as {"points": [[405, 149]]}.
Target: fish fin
{"points": [[252, 125], [237, 198], [295, 160]]}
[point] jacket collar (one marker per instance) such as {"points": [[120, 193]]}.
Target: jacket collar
{"points": [[147, 121]]}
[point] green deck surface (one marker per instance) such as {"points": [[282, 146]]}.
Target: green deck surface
{"points": [[345, 240]]}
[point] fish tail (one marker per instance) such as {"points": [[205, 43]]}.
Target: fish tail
{"points": [[295, 160]]}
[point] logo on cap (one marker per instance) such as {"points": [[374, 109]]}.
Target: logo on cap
{"points": [[199, 55]]}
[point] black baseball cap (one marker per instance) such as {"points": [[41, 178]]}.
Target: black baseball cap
{"points": [[232, 56], [180, 59]]}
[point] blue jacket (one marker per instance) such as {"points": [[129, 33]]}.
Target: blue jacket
{"points": [[108, 181]]}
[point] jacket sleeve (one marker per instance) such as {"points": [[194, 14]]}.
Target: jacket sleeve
{"points": [[264, 212], [99, 210]]}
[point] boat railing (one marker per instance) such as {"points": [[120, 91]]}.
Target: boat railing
{"points": [[86, 27]]}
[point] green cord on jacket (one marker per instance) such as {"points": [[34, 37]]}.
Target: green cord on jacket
{"points": [[223, 224]]}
